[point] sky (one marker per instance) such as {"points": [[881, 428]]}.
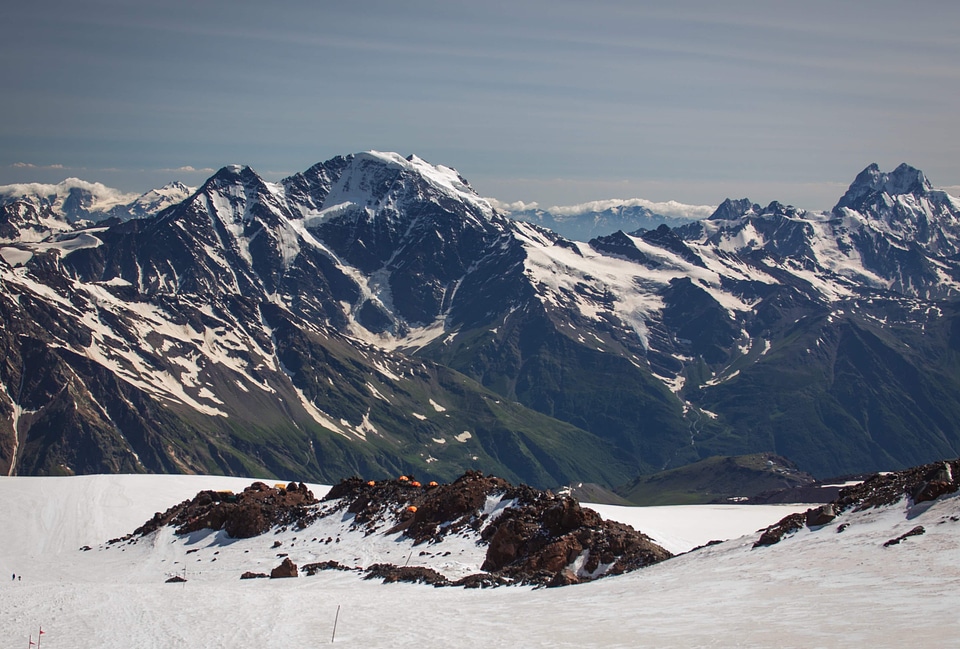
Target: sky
{"points": [[544, 101]]}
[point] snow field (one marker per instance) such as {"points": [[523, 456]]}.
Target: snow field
{"points": [[817, 588]]}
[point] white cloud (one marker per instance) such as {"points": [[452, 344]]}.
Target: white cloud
{"points": [[516, 206], [104, 197], [28, 165], [665, 208]]}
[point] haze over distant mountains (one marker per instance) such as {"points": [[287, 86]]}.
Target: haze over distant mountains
{"points": [[374, 315]]}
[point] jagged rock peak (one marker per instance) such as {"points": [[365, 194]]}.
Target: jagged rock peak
{"points": [[230, 173], [871, 181], [733, 209]]}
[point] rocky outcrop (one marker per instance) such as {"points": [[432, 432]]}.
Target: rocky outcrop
{"points": [[787, 525], [413, 574], [918, 484], [917, 531], [252, 512], [531, 536], [534, 540]]}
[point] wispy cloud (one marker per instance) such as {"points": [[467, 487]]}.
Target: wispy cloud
{"points": [[29, 165], [187, 169]]}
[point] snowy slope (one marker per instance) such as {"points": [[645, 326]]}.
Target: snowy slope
{"points": [[814, 589]]}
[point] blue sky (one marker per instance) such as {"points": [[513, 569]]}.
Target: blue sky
{"points": [[548, 101]]}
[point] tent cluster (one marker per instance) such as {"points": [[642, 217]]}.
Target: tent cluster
{"points": [[407, 481]]}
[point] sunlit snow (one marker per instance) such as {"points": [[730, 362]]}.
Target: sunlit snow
{"points": [[814, 589]]}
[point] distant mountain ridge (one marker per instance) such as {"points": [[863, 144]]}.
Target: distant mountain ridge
{"points": [[599, 218], [74, 200], [374, 315]]}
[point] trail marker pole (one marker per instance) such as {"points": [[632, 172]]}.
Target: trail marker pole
{"points": [[335, 619]]}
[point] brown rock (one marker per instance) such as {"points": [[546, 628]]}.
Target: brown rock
{"points": [[286, 569], [565, 577], [820, 515], [414, 574], [917, 531], [786, 525], [557, 555], [253, 575]]}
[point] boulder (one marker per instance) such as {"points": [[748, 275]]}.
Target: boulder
{"points": [[565, 577], [286, 569], [820, 515], [253, 575]]}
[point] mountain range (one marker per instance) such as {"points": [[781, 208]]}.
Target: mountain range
{"points": [[600, 218], [373, 315]]}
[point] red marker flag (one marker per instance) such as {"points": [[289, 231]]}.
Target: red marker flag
{"points": [[42, 631]]}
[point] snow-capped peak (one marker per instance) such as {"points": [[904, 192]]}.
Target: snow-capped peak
{"points": [[371, 173], [74, 198], [157, 200], [871, 181]]}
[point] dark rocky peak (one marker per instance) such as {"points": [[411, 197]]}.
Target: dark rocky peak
{"points": [[776, 208], [308, 190], [366, 180], [620, 245], [232, 175], [249, 196], [77, 204], [871, 183], [664, 237], [731, 210]]}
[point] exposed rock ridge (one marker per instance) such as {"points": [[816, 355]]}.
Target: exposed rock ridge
{"points": [[532, 536], [918, 484]]}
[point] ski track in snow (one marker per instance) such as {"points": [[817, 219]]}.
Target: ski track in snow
{"points": [[814, 589]]}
